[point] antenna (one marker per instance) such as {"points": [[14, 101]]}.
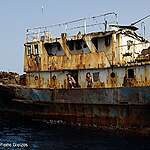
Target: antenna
{"points": [[143, 28], [132, 24], [43, 6], [42, 9]]}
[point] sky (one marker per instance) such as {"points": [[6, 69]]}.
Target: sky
{"points": [[18, 15]]}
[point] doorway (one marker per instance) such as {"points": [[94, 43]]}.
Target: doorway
{"points": [[74, 74]]}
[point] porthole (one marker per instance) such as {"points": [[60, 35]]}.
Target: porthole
{"points": [[112, 75]]}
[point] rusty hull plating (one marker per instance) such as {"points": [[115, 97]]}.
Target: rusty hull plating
{"points": [[110, 69], [125, 108]]}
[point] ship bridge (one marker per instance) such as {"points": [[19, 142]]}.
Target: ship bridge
{"points": [[93, 46]]}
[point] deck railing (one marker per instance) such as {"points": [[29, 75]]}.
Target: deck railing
{"points": [[82, 25]]}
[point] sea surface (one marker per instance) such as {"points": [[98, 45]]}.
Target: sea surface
{"points": [[37, 135]]}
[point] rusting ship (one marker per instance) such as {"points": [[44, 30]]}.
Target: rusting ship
{"points": [[98, 76]]}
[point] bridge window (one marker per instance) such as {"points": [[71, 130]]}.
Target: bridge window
{"points": [[36, 47], [101, 43], [54, 49], [29, 49], [95, 42], [107, 40], [77, 46], [71, 45]]}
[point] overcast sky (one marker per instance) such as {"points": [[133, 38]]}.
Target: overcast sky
{"points": [[17, 15]]}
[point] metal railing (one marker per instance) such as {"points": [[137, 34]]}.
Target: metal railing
{"points": [[82, 25]]}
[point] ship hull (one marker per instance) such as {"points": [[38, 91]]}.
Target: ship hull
{"points": [[121, 108]]}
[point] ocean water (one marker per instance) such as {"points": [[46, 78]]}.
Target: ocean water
{"points": [[36, 135]]}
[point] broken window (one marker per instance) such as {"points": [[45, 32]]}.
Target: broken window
{"points": [[84, 45], [96, 76], [77, 46], [101, 43], [29, 50], [70, 45], [130, 73], [85, 48], [36, 48], [95, 42], [107, 40], [54, 49]]}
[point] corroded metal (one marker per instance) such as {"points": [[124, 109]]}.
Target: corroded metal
{"points": [[99, 79], [102, 108], [104, 52]]}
